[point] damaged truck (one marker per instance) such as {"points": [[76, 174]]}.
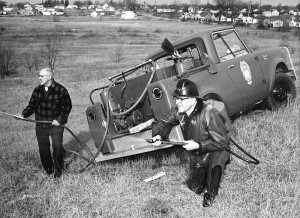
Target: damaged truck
{"points": [[217, 60]]}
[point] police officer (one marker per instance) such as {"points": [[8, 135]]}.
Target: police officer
{"points": [[205, 133]]}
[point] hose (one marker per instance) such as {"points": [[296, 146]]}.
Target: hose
{"points": [[224, 148], [115, 114], [139, 99], [253, 161], [69, 130]]}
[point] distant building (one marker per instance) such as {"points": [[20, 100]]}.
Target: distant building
{"points": [[72, 7], [126, 15], [7, 9]]}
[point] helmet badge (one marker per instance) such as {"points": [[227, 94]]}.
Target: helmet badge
{"points": [[246, 72]]}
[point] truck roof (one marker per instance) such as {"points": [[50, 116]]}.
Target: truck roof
{"points": [[204, 35]]}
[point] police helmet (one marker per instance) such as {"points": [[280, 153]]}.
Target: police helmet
{"points": [[186, 88]]}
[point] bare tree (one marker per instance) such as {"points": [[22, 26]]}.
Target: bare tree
{"points": [[118, 55], [8, 60], [225, 5], [52, 48], [31, 60]]}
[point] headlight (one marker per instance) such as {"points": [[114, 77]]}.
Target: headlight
{"points": [[91, 116], [157, 93]]}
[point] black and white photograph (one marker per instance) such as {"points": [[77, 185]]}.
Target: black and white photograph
{"points": [[149, 108]]}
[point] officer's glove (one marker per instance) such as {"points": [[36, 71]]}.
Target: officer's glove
{"points": [[191, 145], [156, 140]]}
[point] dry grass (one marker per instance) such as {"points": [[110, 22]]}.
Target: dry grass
{"points": [[116, 189]]}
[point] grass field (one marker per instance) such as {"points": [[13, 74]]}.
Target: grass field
{"points": [[116, 189]]}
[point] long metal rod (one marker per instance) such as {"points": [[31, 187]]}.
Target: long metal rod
{"points": [[126, 72], [12, 115]]}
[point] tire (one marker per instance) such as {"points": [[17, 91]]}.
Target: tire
{"points": [[214, 97], [283, 91]]}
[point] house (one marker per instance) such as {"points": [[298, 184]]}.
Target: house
{"points": [[126, 15], [295, 22], [191, 9], [105, 8], [267, 13], [72, 7], [244, 10], [28, 7], [222, 18], [95, 14], [59, 7], [275, 13], [7, 9], [207, 16], [277, 23], [39, 7], [160, 10], [46, 12], [246, 19]]}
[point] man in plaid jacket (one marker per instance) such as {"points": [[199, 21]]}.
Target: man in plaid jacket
{"points": [[50, 101]]}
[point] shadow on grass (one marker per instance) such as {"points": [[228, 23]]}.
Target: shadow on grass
{"points": [[73, 144]]}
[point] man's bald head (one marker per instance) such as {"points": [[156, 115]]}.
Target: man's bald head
{"points": [[46, 72]]}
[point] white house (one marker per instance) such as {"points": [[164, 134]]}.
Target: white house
{"points": [[275, 13], [61, 7], [277, 23], [159, 10], [28, 7], [126, 15], [267, 13], [46, 12], [105, 8], [7, 9], [94, 14], [72, 7], [39, 7], [295, 22], [191, 9]]}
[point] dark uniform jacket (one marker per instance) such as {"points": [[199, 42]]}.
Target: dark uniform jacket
{"points": [[47, 106], [206, 126]]}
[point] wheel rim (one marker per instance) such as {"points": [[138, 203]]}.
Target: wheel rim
{"points": [[281, 92]]}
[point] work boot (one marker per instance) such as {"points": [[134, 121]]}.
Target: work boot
{"points": [[57, 174], [49, 171], [208, 198]]}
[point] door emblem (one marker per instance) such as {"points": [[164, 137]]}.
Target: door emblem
{"points": [[246, 72]]}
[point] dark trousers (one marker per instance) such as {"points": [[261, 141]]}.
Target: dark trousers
{"points": [[50, 162], [202, 176]]}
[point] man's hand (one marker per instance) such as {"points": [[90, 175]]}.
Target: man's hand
{"points": [[191, 145], [19, 117], [156, 140], [55, 123]]}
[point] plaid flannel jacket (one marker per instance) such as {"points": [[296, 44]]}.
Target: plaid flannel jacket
{"points": [[47, 106]]}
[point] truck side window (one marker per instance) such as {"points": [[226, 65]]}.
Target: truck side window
{"points": [[228, 45]]}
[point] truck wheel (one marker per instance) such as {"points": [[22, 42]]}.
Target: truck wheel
{"points": [[283, 91], [213, 97]]}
